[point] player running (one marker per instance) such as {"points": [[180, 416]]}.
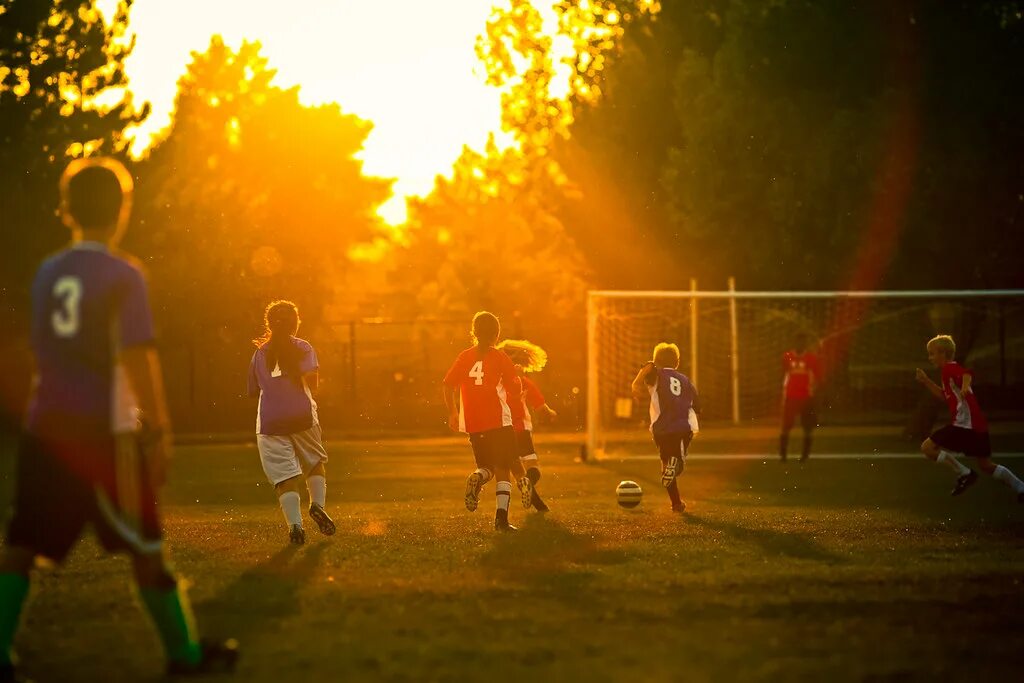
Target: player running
{"points": [[96, 441], [283, 374], [674, 410], [802, 373], [968, 431], [527, 358], [479, 389]]}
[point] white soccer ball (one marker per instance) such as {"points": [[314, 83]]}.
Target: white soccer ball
{"points": [[629, 493]]}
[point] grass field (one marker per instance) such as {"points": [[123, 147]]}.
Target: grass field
{"points": [[840, 570]]}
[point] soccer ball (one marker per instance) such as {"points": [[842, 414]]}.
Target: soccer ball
{"points": [[629, 493]]}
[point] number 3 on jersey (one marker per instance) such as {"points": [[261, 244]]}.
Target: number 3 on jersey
{"points": [[477, 372], [66, 319], [675, 386]]}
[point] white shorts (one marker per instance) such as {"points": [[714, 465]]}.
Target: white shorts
{"points": [[290, 455]]}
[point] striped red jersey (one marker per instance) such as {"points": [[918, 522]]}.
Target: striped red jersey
{"points": [[488, 384], [802, 374], [964, 409], [530, 399]]}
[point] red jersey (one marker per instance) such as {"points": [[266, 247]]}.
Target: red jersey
{"points": [[801, 374], [488, 385], [530, 399], [964, 409]]}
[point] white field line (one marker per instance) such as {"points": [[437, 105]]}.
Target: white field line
{"points": [[814, 456]]}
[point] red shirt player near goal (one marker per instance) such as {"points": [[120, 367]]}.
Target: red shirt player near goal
{"points": [[802, 374], [479, 390]]}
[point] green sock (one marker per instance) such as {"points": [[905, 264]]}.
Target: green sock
{"points": [[173, 618], [13, 591]]}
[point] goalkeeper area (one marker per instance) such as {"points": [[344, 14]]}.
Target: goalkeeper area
{"points": [[844, 569]]}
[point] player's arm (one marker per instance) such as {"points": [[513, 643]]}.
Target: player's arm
{"points": [[253, 382], [640, 383], [536, 401], [309, 366], [450, 391], [927, 383], [966, 383]]}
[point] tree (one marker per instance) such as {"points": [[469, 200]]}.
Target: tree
{"points": [[253, 196]]}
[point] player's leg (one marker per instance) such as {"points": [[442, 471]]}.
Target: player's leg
{"points": [[528, 460], [483, 472], [280, 464], [942, 447], [788, 419], [312, 457], [502, 453], [981, 451], [15, 564], [126, 518], [808, 421], [518, 472]]}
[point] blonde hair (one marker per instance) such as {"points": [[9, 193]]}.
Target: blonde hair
{"points": [[528, 356], [945, 343], [666, 355]]}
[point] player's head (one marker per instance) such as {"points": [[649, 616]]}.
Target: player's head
{"points": [[96, 198], [941, 349], [666, 355], [486, 329], [280, 319], [528, 356]]}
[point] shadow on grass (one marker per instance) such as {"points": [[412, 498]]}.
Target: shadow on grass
{"points": [[544, 550], [260, 598], [772, 543]]}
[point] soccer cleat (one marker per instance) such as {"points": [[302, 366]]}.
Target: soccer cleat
{"points": [[218, 657], [538, 504], [671, 472], [503, 525], [297, 536], [679, 507], [473, 486], [964, 482], [526, 489], [322, 519]]}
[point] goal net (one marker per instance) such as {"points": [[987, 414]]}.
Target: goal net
{"points": [[731, 346]]}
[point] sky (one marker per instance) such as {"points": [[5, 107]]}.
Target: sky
{"points": [[406, 65]]}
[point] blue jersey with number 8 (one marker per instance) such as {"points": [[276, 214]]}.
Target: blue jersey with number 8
{"points": [[673, 397], [87, 304]]}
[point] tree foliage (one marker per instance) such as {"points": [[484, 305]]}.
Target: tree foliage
{"points": [[61, 96]]}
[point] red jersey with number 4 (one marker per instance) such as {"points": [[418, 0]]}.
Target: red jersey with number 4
{"points": [[801, 374], [488, 385], [530, 399], [964, 409]]}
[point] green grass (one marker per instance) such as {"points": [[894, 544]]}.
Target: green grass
{"points": [[837, 570]]}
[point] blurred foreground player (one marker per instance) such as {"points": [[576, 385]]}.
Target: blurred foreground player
{"points": [[479, 389], [97, 437], [674, 411], [967, 432]]}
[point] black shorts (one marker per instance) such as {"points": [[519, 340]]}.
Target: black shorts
{"points": [[673, 444], [524, 443], [495, 448], [961, 440], [61, 486], [804, 407]]}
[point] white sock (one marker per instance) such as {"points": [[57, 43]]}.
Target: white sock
{"points": [[317, 485], [949, 459], [1007, 477], [528, 460], [485, 475], [290, 506], [503, 495]]}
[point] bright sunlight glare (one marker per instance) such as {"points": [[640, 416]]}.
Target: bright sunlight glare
{"points": [[406, 65]]}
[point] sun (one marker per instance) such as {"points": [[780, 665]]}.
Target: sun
{"points": [[407, 66]]}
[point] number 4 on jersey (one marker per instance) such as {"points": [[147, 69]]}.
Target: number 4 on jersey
{"points": [[477, 372]]}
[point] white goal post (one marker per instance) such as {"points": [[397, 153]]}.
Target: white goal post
{"points": [[731, 344]]}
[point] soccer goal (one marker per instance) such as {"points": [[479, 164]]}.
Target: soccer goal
{"points": [[731, 344]]}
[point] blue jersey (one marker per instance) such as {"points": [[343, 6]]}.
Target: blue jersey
{"points": [[286, 405], [87, 304], [673, 399]]}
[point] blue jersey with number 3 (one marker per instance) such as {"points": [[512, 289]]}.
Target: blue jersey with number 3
{"points": [[672, 402], [87, 304]]}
